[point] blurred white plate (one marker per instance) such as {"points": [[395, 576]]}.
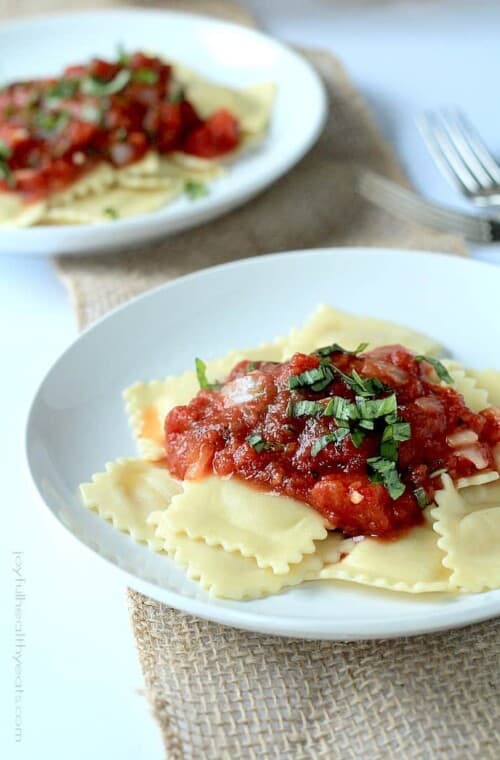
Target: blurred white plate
{"points": [[77, 421], [227, 53]]}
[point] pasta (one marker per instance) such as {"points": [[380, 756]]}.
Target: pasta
{"points": [[240, 542], [114, 188], [275, 531], [126, 495]]}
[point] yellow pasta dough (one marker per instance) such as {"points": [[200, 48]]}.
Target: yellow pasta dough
{"points": [[127, 493], [230, 574], [329, 325], [251, 105], [15, 213], [468, 523], [464, 382], [489, 379], [275, 530], [413, 562], [115, 203]]}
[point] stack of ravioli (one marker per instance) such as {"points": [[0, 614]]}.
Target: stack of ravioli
{"points": [[240, 543]]}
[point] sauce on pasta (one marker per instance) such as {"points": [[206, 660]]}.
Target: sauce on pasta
{"points": [[54, 131], [361, 436]]}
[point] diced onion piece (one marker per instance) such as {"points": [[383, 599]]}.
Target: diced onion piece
{"points": [[121, 153], [474, 455], [199, 466], [241, 390], [462, 438], [429, 405], [356, 497]]}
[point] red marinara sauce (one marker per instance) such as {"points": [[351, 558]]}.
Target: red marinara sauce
{"points": [[257, 428], [53, 131]]}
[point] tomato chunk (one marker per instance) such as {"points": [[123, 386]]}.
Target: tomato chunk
{"points": [[218, 135]]}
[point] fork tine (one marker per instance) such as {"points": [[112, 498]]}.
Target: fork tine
{"points": [[445, 155], [478, 146], [458, 136]]}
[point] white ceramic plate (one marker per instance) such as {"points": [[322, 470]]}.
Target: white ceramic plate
{"points": [[229, 54], [77, 422]]}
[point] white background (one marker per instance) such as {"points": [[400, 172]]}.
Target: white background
{"points": [[81, 678]]}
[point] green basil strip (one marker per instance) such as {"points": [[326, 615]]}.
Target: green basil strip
{"points": [[335, 437], [201, 374], [382, 470], [439, 368], [421, 497], [99, 89]]}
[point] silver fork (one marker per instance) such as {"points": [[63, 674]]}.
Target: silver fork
{"points": [[462, 156], [407, 205]]}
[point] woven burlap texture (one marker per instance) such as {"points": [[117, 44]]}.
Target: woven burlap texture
{"points": [[224, 694], [314, 205], [219, 693]]}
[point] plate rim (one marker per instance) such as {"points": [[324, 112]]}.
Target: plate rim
{"points": [[323, 629], [39, 236]]}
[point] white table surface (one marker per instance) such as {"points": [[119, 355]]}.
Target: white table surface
{"points": [[80, 673]]}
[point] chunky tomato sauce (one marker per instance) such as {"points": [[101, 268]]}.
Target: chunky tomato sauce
{"points": [[53, 131], [256, 427]]}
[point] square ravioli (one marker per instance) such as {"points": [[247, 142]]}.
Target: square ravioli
{"points": [[242, 539]]}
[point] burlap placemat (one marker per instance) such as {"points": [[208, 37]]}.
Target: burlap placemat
{"points": [[315, 205], [221, 693]]}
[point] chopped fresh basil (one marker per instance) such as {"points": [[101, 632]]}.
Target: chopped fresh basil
{"points": [[52, 121], [382, 470], [123, 57], [372, 409], [251, 366], [421, 497], [195, 189], [259, 444], [201, 374], [341, 408], [366, 424], [316, 378], [92, 114], [335, 348], [6, 173], [335, 437], [357, 437], [367, 386], [121, 134], [63, 89], [5, 170], [392, 435], [5, 151], [401, 431], [99, 88], [439, 368], [145, 76], [304, 408], [111, 212], [389, 449]]}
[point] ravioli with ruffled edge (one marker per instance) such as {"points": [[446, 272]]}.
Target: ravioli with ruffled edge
{"points": [[241, 543]]}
